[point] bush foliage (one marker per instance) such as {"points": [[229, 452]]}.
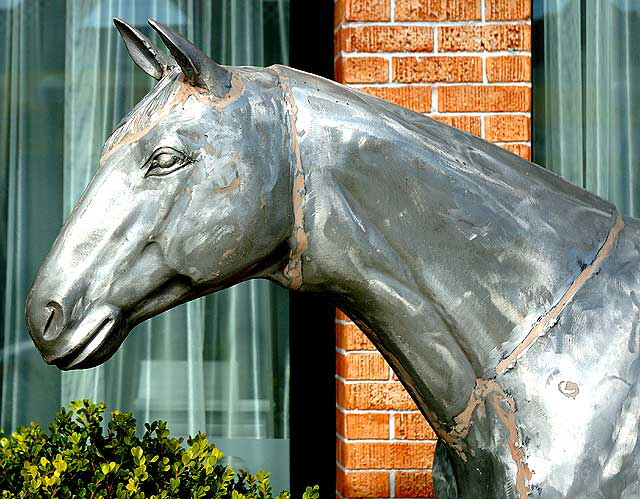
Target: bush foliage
{"points": [[77, 460]]}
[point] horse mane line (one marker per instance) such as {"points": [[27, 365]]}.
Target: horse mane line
{"points": [[144, 112]]}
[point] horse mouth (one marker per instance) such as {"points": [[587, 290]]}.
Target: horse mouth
{"points": [[98, 345]]}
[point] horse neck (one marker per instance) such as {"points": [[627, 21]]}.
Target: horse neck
{"points": [[443, 248]]}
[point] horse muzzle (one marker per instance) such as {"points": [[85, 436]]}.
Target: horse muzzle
{"points": [[86, 342]]}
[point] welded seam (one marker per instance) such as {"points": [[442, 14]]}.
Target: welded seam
{"points": [[483, 390], [299, 240], [508, 419], [548, 320], [130, 131]]}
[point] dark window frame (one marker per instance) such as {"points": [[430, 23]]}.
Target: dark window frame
{"points": [[312, 317], [537, 82]]}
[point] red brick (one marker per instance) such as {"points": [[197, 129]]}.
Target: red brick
{"points": [[380, 396], [522, 150], [362, 484], [437, 69], [387, 455], [349, 337], [362, 366], [415, 98], [362, 70], [341, 316], [414, 484], [470, 124], [437, 10], [483, 98], [412, 426], [340, 421], [507, 10], [362, 10], [509, 68], [372, 426], [338, 13], [386, 39], [481, 38], [507, 128]]}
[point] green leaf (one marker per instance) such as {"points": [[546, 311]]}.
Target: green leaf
{"points": [[174, 483], [311, 493], [137, 452]]}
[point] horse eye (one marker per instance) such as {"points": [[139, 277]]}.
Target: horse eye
{"points": [[165, 160]]}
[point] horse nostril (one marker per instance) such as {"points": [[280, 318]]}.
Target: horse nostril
{"points": [[54, 323], [52, 312]]}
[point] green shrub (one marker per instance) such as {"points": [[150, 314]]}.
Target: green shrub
{"points": [[77, 460]]}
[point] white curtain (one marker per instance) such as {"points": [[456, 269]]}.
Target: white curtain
{"points": [[31, 121], [218, 364], [591, 95]]}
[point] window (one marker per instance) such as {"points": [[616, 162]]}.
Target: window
{"points": [[586, 95], [219, 364]]}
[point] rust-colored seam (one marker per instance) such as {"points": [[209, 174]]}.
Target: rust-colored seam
{"points": [[484, 389], [477, 402], [233, 186], [546, 322], [508, 418], [300, 240], [180, 96], [463, 421]]}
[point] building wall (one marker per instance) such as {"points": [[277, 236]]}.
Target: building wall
{"points": [[466, 63]]}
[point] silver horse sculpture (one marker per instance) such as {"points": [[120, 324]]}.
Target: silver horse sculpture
{"points": [[506, 299]]}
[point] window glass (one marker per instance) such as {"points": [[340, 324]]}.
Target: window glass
{"points": [[586, 95], [218, 364]]}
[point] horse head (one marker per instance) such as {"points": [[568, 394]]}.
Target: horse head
{"points": [[190, 198]]}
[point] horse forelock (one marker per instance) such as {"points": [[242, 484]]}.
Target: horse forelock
{"points": [[147, 112], [170, 91]]}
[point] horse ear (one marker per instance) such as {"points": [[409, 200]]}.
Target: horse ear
{"points": [[198, 68], [146, 56]]}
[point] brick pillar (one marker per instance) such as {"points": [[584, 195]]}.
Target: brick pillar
{"points": [[466, 63]]}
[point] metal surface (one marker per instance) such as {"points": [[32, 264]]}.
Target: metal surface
{"points": [[506, 300]]}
